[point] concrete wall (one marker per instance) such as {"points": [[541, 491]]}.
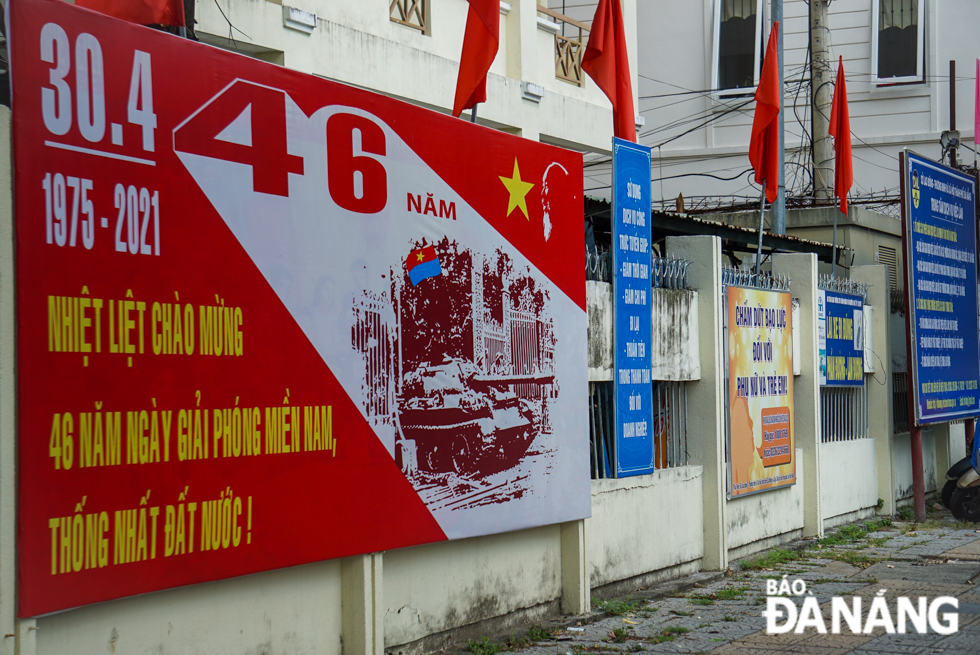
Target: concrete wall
{"points": [[437, 587], [848, 477], [902, 462], [675, 355], [645, 524], [764, 519], [598, 303], [296, 610]]}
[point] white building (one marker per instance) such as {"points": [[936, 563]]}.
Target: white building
{"points": [[410, 49], [699, 63]]}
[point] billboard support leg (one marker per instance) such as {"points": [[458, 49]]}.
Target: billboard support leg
{"points": [[362, 604], [575, 597]]}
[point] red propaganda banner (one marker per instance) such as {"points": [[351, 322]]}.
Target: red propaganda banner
{"points": [[266, 319]]}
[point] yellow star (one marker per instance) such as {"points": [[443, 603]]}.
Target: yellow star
{"points": [[421, 256], [518, 189]]}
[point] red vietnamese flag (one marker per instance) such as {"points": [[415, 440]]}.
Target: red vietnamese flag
{"points": [[144, 12], [479, 49], [840, 129], [764, 146], [607, 63]]}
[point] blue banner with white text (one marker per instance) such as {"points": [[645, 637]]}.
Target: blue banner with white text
{"points": [[940, 228], [842, 364], [632, 321]]}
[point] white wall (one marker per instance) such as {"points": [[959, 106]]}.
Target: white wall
{"points": [[848, 476], [902, 462], [760, 520], [436, 587], [295, 610], [644, 523]]}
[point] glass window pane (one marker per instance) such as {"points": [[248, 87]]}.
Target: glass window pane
{"points": [[898, 34], [736, 44]]}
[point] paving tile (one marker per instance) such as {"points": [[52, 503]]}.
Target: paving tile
{"points": [[930, 562]]}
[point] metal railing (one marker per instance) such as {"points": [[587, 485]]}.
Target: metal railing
{"points": [[669, 426], [900, 401], [598, 264], [602, 428], [843, 285], [843, 410], [410, 13], [843, 413], [739, 277], [569, 48]]}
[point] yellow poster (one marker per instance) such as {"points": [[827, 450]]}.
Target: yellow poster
{"points": [[760, 391]]}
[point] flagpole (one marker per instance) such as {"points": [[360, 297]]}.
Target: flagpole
{"points": [[473, 113], [762, 214], [833, 270]]}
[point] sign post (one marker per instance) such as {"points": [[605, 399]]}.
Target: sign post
{"points": [[939, 235], [632, 289]]}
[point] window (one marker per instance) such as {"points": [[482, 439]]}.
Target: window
{"points": [[738, 44], [896, 41]]}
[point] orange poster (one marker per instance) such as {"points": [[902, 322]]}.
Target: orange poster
{"points": [[760, 393]]}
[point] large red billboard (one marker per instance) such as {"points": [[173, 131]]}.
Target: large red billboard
{"points": [[265, 319]]}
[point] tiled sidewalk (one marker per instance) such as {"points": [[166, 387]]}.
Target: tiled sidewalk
{"points": [[725, 616]]}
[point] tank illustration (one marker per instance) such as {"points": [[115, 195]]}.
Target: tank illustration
{"points": [[465, 421]]}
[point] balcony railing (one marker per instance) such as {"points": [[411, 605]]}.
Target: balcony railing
{"points": [[410, 13], [569, 46]]}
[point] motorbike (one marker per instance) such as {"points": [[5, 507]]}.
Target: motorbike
{"points": [[961, 493]]}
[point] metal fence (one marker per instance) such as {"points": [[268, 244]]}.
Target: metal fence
{"points": [[669, 426], [900, 401], [844, 410], [843, 413], [602, 428]]}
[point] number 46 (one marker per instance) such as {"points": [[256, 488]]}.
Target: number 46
{"points": [[356, 177]]}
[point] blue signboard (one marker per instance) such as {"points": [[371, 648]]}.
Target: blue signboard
{"points": [[940, 243], [841, 329], [632, 321]]}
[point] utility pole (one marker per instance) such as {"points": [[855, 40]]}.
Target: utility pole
{"points": [[779, 207], [952, 110], [820, 99]]}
